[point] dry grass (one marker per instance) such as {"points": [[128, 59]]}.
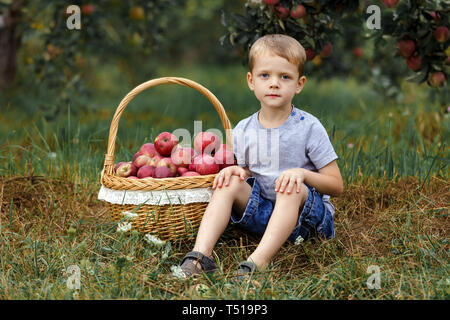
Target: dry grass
{"points": [[403, 226]]}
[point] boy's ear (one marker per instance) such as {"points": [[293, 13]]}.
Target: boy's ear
{"points": [[300, 84], [250, 81]]}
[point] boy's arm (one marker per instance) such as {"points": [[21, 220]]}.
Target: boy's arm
{"points": [[327, 181]]}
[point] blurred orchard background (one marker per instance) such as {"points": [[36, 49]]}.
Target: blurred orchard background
{"points": [[377, 79], [381, 92]]}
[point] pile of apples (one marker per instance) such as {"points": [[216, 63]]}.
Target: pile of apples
{"points": [[165, 158]]}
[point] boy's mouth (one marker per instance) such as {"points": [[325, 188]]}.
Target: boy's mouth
{"points": [[273, 95]]}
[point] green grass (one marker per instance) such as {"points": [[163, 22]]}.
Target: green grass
{"points": [[393, 214]]}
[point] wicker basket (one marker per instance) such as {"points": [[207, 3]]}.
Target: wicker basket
{"points": [[169, 221]]}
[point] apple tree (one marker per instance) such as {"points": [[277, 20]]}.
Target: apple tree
{"points": [[55, 41], [365, 38]]}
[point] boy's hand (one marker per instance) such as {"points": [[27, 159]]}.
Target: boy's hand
{"points": [[225, 174], [288, 179]]}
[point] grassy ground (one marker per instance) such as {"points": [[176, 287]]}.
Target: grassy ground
{"points": [[51, 224], [393, 214]]}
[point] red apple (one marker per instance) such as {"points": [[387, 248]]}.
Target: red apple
{"points": [[271, 2], [406, 48], [154, 161], [146, 171], [310, 54], [87, 9], [205, 164], [126, 169], [298, 11], [326, 50], [182, 156], [414, 62], [132, 177], [358, 52], [192, 166], [137, 154], [148, 149], [441, 34], [390, 3], [190, 174], [165, 142], [281, 11], [167, 162], [142, 160], [435, 15], [182, 170], [436, 79], [224, 157], [206, 142], [118, 165], [163, 172]]}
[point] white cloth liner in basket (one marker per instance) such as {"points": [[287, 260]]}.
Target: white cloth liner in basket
{"points": [[182, 196]]}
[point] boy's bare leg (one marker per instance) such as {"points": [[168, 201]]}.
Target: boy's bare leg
{"points": [[281, 224], [218, 212]]}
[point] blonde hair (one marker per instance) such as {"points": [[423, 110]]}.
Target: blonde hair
{"points": [[281, 45]]}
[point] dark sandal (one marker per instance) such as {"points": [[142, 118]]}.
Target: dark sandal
{"points": [[189, 268], [246, 268]]}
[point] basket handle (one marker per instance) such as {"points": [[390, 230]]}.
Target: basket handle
{"points": [[109, 157]]}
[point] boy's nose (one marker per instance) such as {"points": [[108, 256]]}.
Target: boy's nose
{"points": [[274, 83]]}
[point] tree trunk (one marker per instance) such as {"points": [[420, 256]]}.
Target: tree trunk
{"points": [[9, 44]]}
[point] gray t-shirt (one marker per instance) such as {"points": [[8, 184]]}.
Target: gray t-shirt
{"points": [[300, 142]]}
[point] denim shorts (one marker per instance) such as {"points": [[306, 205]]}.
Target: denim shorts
{"points": [[314, 221]]}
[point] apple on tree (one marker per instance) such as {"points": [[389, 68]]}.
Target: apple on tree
{"points": [[441, 34], [271, 2], [414, 62], [310, 54], [298, 11], [281, 11], [390, 3], [406, 48], [436, 79], [326, 50]]}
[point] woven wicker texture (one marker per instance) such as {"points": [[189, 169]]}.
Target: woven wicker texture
{"points": [[168, 221]]}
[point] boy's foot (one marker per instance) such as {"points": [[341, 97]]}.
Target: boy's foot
{"points": [[246, 268], [195, 262]]}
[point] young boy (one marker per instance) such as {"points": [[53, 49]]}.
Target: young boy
{"points": [[286, 168]]}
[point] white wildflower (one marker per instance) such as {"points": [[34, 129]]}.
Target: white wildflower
{"points": [[129, 215], [124, 227], [151, 239], [51, 155], [299, 240], [177, 272]]}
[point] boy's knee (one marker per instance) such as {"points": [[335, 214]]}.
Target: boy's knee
{"points": [[294, 195], [235, 185]]}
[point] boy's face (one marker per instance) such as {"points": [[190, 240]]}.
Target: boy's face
{"points": [[275, 81]]}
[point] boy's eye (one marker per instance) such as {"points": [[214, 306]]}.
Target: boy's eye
{"points": [[284, 77], [264, 75]]}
